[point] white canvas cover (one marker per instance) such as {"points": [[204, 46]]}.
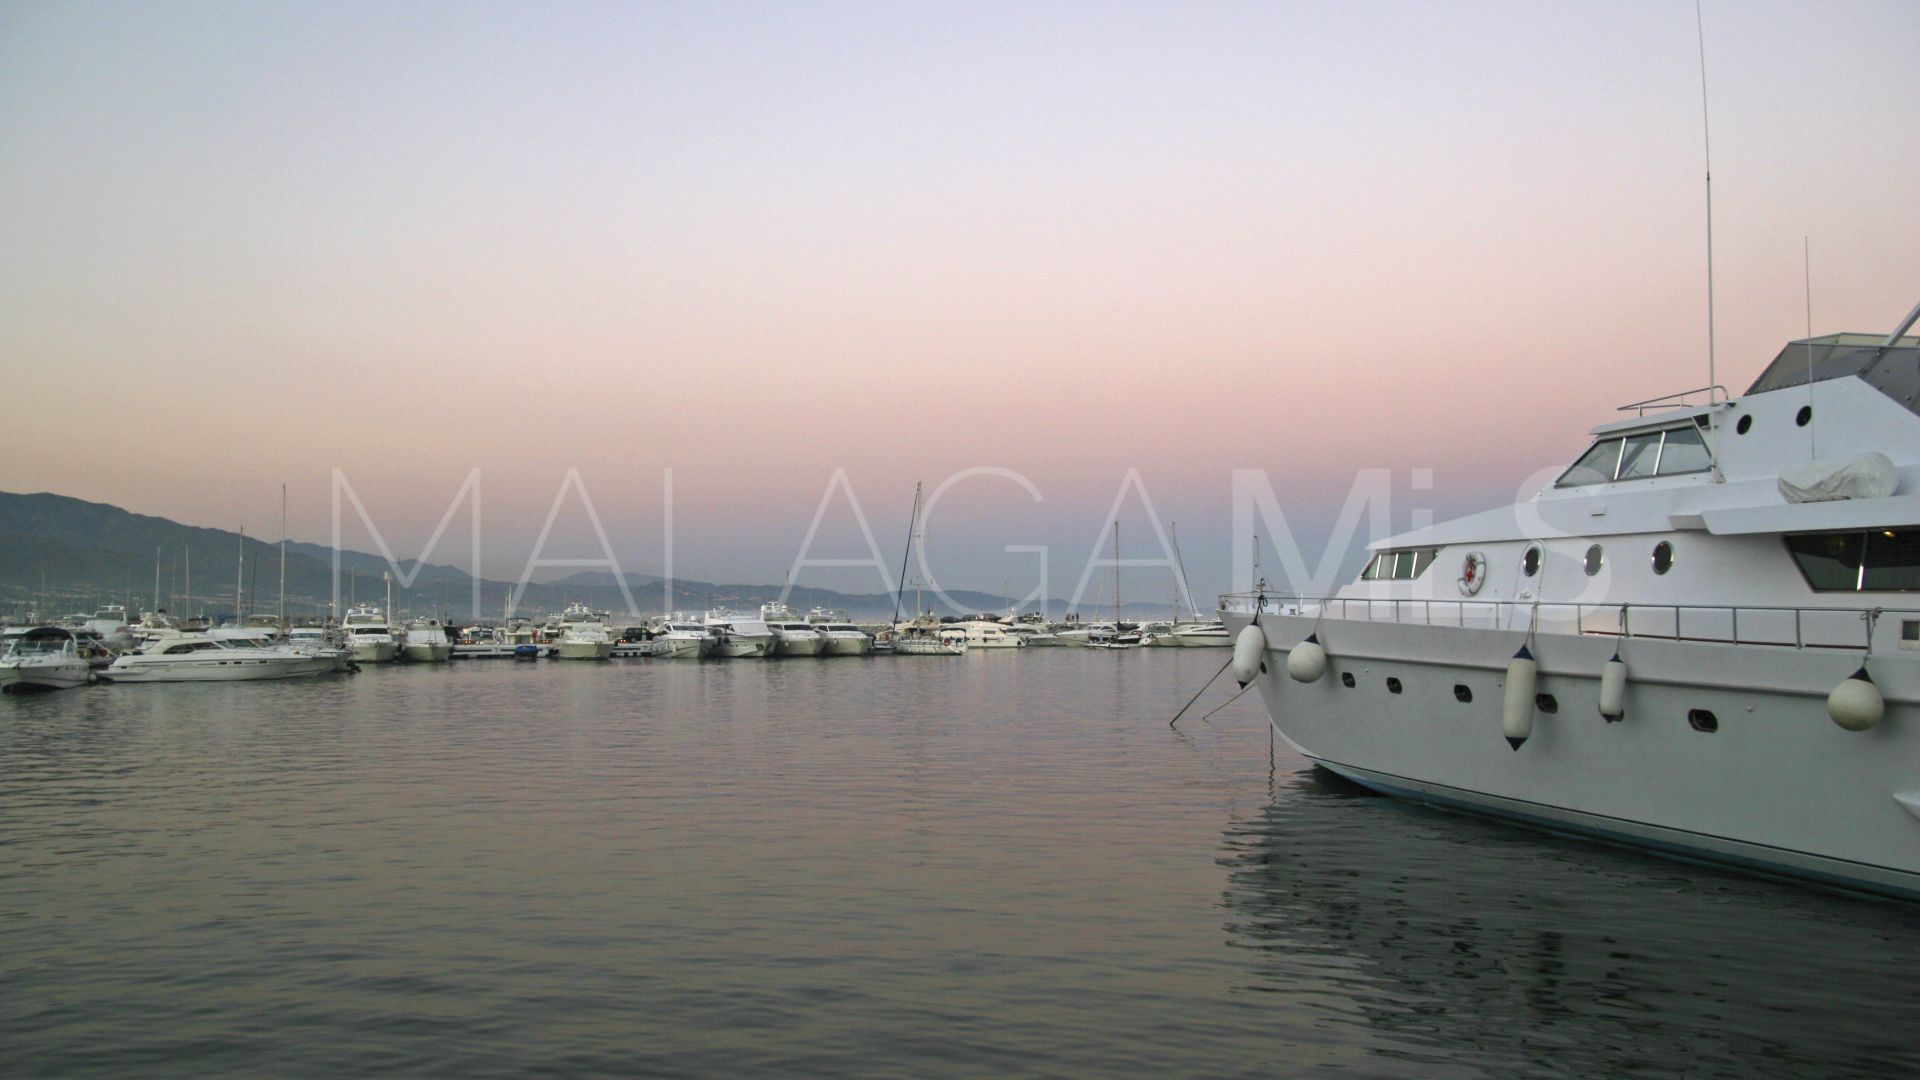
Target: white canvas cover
{"points": [[1867, 476]]}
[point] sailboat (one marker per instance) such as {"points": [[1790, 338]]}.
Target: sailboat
{"points": [[921, 636], [1121, 638]]}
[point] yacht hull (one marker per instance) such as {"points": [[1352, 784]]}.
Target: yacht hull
{"points": [[218, 668], [1766, 783], [741, 648], [812, 645], [675, 648], [437, 653], [584, 650], [847, 645], [375, 652], [1199, 641]]}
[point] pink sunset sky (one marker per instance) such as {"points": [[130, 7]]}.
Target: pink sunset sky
{"points": [[244, 245]]}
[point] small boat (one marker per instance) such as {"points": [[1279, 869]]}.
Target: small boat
{"points": [[44, 658], [920, 644]]}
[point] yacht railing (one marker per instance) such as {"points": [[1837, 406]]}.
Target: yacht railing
{"points": [[1679, 400], [1788, 627]]}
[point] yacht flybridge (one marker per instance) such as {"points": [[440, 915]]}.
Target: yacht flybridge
{"points": [[1703, 637]]}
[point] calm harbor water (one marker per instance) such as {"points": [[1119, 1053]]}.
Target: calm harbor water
{"points": [[1000, 864]]}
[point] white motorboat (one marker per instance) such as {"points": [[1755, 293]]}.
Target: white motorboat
{"points": [[984, 634], [583, 635], [316, 641], [44, 658], [1035, 635], [739, 636], [426, 642], [1211, 634], [681, 639], [910, 643], [369, 637], [190, 657], [839, 636], [792, 635], [109, 623], [1157, 634], [1700, 638]]}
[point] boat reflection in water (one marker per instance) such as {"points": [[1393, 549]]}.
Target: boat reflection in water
{"points": [[1434, 944]]}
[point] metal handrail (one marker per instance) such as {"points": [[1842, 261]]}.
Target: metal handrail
{"points": [[1586, 618], [1675, 401]]}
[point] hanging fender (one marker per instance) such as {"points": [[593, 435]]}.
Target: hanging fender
{"points": [[1249, 654]]}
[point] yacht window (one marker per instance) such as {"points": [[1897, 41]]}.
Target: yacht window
{"points": [[1662, 557], [1640, 455], [1596, 466], [1399, 565], [1684, 452], [1893, 561], [1596, 558], [1530, 562], [1873, 560]]}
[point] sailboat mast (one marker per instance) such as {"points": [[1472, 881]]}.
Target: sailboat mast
{"points": [[156, 582], [283, 557], [1116, 575], [239, 575], [900, 590]]}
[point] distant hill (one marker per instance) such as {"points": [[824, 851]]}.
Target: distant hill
{"points": [[60, 555]]}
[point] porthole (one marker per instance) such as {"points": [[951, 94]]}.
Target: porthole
{"points": [[1393, 685], [1530, 562], [1596, 558], [1745, 425], [1662, 557], [1463, 693], [1702, 720], [1546, 703], [1802, 417], [1346, 679]]}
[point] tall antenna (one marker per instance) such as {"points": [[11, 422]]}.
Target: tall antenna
{"points": [[1806, 261], [1706, 136]]}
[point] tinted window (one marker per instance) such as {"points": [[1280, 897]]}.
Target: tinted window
{"points": [[1829, 560], [1530, 562], [1596, 466], [1685, 452], [1893, 561]]}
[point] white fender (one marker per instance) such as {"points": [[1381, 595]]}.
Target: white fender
{"points": [[1249, 654], [1856, 703], [1613, 688], [1308, 660], [1516, 712]]}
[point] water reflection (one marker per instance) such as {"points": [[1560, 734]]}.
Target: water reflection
{"points": [[1448, 944]]}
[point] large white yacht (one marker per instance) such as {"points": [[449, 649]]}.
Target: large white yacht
{"points": [[425, 642], [1210, 634], [1701, 637], [738, 635], [369, 636], [681, 639], [839, 636], [792, 635], [583, 635], [190, 657], [984, 634]]}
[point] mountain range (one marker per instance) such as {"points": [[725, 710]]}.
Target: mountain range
{"points": [[60, 554]]}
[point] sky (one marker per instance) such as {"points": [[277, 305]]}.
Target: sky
{"points": [[794, 259]]}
